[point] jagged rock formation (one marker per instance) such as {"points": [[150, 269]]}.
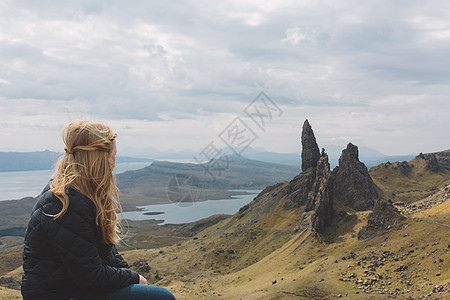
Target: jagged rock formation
{"points": [[301, 185], [352, 184], [318, 194], [322, 191], [385, 217], [310, 150], [432, 162], [319, 198]]}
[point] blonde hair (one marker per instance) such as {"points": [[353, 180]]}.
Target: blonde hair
{"points": [[85, 167]]}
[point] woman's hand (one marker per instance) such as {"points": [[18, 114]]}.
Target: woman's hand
{"points": [[142, 280]]}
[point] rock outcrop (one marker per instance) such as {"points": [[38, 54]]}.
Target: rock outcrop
{"points": [[310, 150], [301, 185], [352, 184], [431, 161], [385, 217], [321, 192], [443, 159], [319, 198], [298, 189], [318, 194]]}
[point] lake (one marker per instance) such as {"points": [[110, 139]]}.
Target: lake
{"points": [[174, 213], [16, 185]]}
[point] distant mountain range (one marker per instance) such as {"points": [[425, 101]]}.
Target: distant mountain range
{"points": [[43, 160], [369, 156]]}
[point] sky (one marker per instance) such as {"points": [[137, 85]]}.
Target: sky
{"points": [[187, 74]]}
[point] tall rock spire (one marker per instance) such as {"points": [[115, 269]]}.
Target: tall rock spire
{"points": [[353, 185], [320, 196], [310, 150]]}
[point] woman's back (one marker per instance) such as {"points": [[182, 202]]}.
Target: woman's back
{"points": [[65, 255], [69, 250]]}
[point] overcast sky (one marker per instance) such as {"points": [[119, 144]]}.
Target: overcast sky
{"points": [[176, 74]]}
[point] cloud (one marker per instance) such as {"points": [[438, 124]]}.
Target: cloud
{"points": [[296, 35], [162, 65]]}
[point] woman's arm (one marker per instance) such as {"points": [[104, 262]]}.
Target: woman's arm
{"points": [[118, 259]]}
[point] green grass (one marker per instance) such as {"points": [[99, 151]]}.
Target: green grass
{"points": [[410, 187]]}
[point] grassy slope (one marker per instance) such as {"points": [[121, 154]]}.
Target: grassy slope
{"points": [[15, 213], [267, 249], [417, 184], [307, 267], [8, 294]]}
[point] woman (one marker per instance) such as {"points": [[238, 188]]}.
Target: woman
{"points": [[69, 250]]}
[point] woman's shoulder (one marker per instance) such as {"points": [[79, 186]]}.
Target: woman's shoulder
{"points": [[50, 204], [80, 204], [79, 198], [47, 202]]}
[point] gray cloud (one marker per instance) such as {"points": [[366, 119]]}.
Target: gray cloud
{"points": [[159, 61]]}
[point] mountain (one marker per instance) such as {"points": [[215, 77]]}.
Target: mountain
{"points": [[148, 152], [411, 181], [128, 159], [43, 160], [369, 156], [27, 161], [216, 179], [183, 154]]}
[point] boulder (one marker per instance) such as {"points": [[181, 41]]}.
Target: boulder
{"points": [[431, 161], [384, 217]]}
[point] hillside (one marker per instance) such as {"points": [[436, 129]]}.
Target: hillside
{"points": [[151, 184], [416, 179], [443, 159], [265, 259]]}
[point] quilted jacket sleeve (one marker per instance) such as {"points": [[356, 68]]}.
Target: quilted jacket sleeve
{"points": [[119, 261], [73, 237]]}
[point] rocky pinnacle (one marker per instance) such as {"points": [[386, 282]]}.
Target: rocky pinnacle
{"points": [[310, 150], [352, 184]]}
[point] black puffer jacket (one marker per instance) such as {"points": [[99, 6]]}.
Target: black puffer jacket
{"points": [[66, 257]]}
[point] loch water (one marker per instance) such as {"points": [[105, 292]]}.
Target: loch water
{"points": [[177, 213]]}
